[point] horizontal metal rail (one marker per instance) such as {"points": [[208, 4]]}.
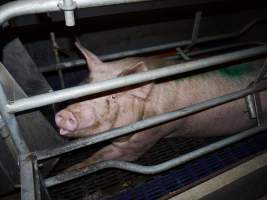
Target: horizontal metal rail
{"points": [[24, 7], [80, 62], [89, 89], [67, 176], [149, 122]]}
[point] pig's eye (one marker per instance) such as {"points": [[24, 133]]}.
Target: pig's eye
{"points": [[113, 97]]}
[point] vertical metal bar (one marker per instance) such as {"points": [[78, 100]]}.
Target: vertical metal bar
{"points": [[68, 7], [256, 96], [36, 179], [40, 188], [55, 50], [30, 186], [258, 109], [195, 30], [11, 123], [5, 134], [262, 73]]}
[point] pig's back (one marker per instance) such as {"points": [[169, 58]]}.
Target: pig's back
{"points": [[228, 118]]}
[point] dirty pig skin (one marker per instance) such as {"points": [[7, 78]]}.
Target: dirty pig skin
{"points": [[131, 104]]}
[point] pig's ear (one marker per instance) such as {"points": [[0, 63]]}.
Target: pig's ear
{"points": [[143, 90], [91, 59], [137, 68]]}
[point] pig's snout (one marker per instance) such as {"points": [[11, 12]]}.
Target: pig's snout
{"points": [[66, 121]]}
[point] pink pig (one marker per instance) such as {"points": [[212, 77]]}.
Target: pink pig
{"points": [[131, 104]]}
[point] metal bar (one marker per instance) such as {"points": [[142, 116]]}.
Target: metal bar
{"points": [[11, 122], [214, 49], [37, 184], [68, 6], [18, 8], [80, 62], [262, 72], [5, 134], [40, 188], [67, 176], [30, 187], [249, 100], [256, 96], [56, 53], [149, 122], [195, 30], [182, 54], [93, 88], [258, 109], [128, 53]]}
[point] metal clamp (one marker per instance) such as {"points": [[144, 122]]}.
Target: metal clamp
{"points": [[253, 101], [68, 6]]}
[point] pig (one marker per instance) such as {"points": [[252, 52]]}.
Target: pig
{"points": [[131, 104]]}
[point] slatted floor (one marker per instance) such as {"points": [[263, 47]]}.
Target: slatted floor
{"points": [[112, 184]]}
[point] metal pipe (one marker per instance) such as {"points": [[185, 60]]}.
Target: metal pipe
{"points": [[149, 122], [11, 122], [67, 176], [18, 8], [128, 53], [68, 6], [5, 134], [80, 62], [214, 49], [30, 187], [195, 31], [57, 58], [93, 88]]}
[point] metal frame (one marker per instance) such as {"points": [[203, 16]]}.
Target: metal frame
{"points": [[93, 88], [30, 178], [25, 7], [132, 167], [29, 167], [178, 45], [29, 103]]}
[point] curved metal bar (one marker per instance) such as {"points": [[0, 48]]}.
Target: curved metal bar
{"points": [[67, 176], [149, 122], [93, 88], [24, 7]]}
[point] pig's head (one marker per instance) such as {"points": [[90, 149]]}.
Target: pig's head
{"points": [[99, 114]]}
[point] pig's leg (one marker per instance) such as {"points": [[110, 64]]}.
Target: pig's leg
{"points": [[107, 153], [128, 148]]}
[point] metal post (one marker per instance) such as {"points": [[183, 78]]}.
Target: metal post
{"points": [[11, 122], [257, 100], [98, 87], [195, 30], [253, 101], [5, 134], [30, 184], [56, 53]]}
